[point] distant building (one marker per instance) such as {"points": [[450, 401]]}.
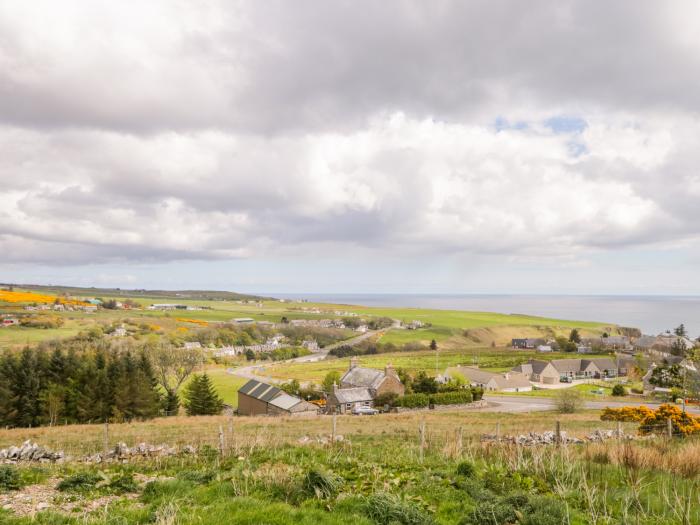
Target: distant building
{"points": [[527, 343], [260, 399], [493, 381], [192, 345], [551, 372], [243, 320]]}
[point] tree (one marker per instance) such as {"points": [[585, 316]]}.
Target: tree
{"points": [[201, 398], [619, 390], [680, 331], [249, 355], [172, 366], [574, 336], [433, 345], [291, 387], [284, 320], [332, 377], [568, 401], [667, 376], [424, 384], [565, 345]]}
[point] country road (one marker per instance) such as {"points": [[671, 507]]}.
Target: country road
{"points": [[253, 371], [516, 404]]}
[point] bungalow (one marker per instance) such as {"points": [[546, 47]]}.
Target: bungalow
{"points": [[360, 386], [243, 320], [551, 372], [616, 342], [492, 381], [260, 399]]}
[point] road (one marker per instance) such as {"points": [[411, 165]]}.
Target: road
{"points": [[253, 371], [516, 404]]}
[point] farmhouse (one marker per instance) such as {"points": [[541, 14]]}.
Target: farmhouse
{"points": [[493, 381], [552, 372], [360, 386], [260, 399]]}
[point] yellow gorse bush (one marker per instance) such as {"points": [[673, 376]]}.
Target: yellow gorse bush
{"points": [[627, 414], [195, 321], [31, 297]]}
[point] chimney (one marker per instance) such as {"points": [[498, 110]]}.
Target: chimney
{"points": [[335, 387], [389, 370], [353, 363]]}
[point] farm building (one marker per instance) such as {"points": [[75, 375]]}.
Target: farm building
{"points": [[260, 399]]}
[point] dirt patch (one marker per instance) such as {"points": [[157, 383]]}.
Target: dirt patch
{"points": [[33, 499]]}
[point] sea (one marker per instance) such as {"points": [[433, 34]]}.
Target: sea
{"points": [[652, 314]]}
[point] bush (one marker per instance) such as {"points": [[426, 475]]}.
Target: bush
{"points": [[413, 401], [477, 393], [200, 477], [9, 478], [545, 510], [490, 513], [619, 390], [452, 398], [80, 482], [387, 398], [322, 484], [387, 509], [123, 484], [626, 414], [466, 469], [568, 401]]}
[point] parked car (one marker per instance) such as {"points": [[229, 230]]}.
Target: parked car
{"points": [[364, 411], [566, 379]]}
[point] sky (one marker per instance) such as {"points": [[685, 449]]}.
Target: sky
{"points": [[351, 146]]}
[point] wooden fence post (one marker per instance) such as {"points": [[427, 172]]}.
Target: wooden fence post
{"points": [[557, 433], [106, 440], [221, 441], [459, 441], [421, 431], [670, 428], [333, 430], [619, 430], [498, 432]]}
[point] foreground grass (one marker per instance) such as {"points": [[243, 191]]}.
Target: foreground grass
{"points": [[376, 475]]}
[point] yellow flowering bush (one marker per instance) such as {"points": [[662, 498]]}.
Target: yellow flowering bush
{"points": [[627, 414]]}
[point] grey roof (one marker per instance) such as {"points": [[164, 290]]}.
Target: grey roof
{"points": [[567, 365], [285, 401], [525, 368], [537, 365], [646, 341], [511, 380], [603, 363], [258, 390], [352, 395], [362, 377], [472, 373]]}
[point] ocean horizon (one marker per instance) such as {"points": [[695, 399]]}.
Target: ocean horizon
{"points": [[650, 313]]}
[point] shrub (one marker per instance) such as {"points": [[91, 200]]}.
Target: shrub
{"points": [[386, 509], [619, 390], [568, 401], [466, 469], [322, 484], [9, 478], [413, 401], [545, 510], [490, 513], [682, 422], [477, 393], [82, 481], [123, 483], [387, 398], [626, 414], [200, 477], [452, 398]]}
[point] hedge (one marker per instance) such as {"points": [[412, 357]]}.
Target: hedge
{"points": [[452, 398], [413, 401]]}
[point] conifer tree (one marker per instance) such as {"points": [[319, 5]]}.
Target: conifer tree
{"points": [[201, 397]]}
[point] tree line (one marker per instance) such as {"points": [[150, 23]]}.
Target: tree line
{"points": [[53, 385]]}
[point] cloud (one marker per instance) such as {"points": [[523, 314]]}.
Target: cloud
{"points": [[182, 130]]}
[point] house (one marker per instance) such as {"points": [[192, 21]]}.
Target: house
{"points": [[616, 342], [493, 381], [526, 343], [551, 372], [192, 345], [120, 332], [360, 386], [663, 342], [310, 345], [260, 399], [414, 325], [584, 349], [544, 348]]}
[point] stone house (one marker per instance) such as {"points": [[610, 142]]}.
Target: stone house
{"points": [[360, 386], [551, 372], [491, 381]]}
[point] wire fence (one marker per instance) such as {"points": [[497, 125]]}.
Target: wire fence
{"points": [[422, 433]]}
